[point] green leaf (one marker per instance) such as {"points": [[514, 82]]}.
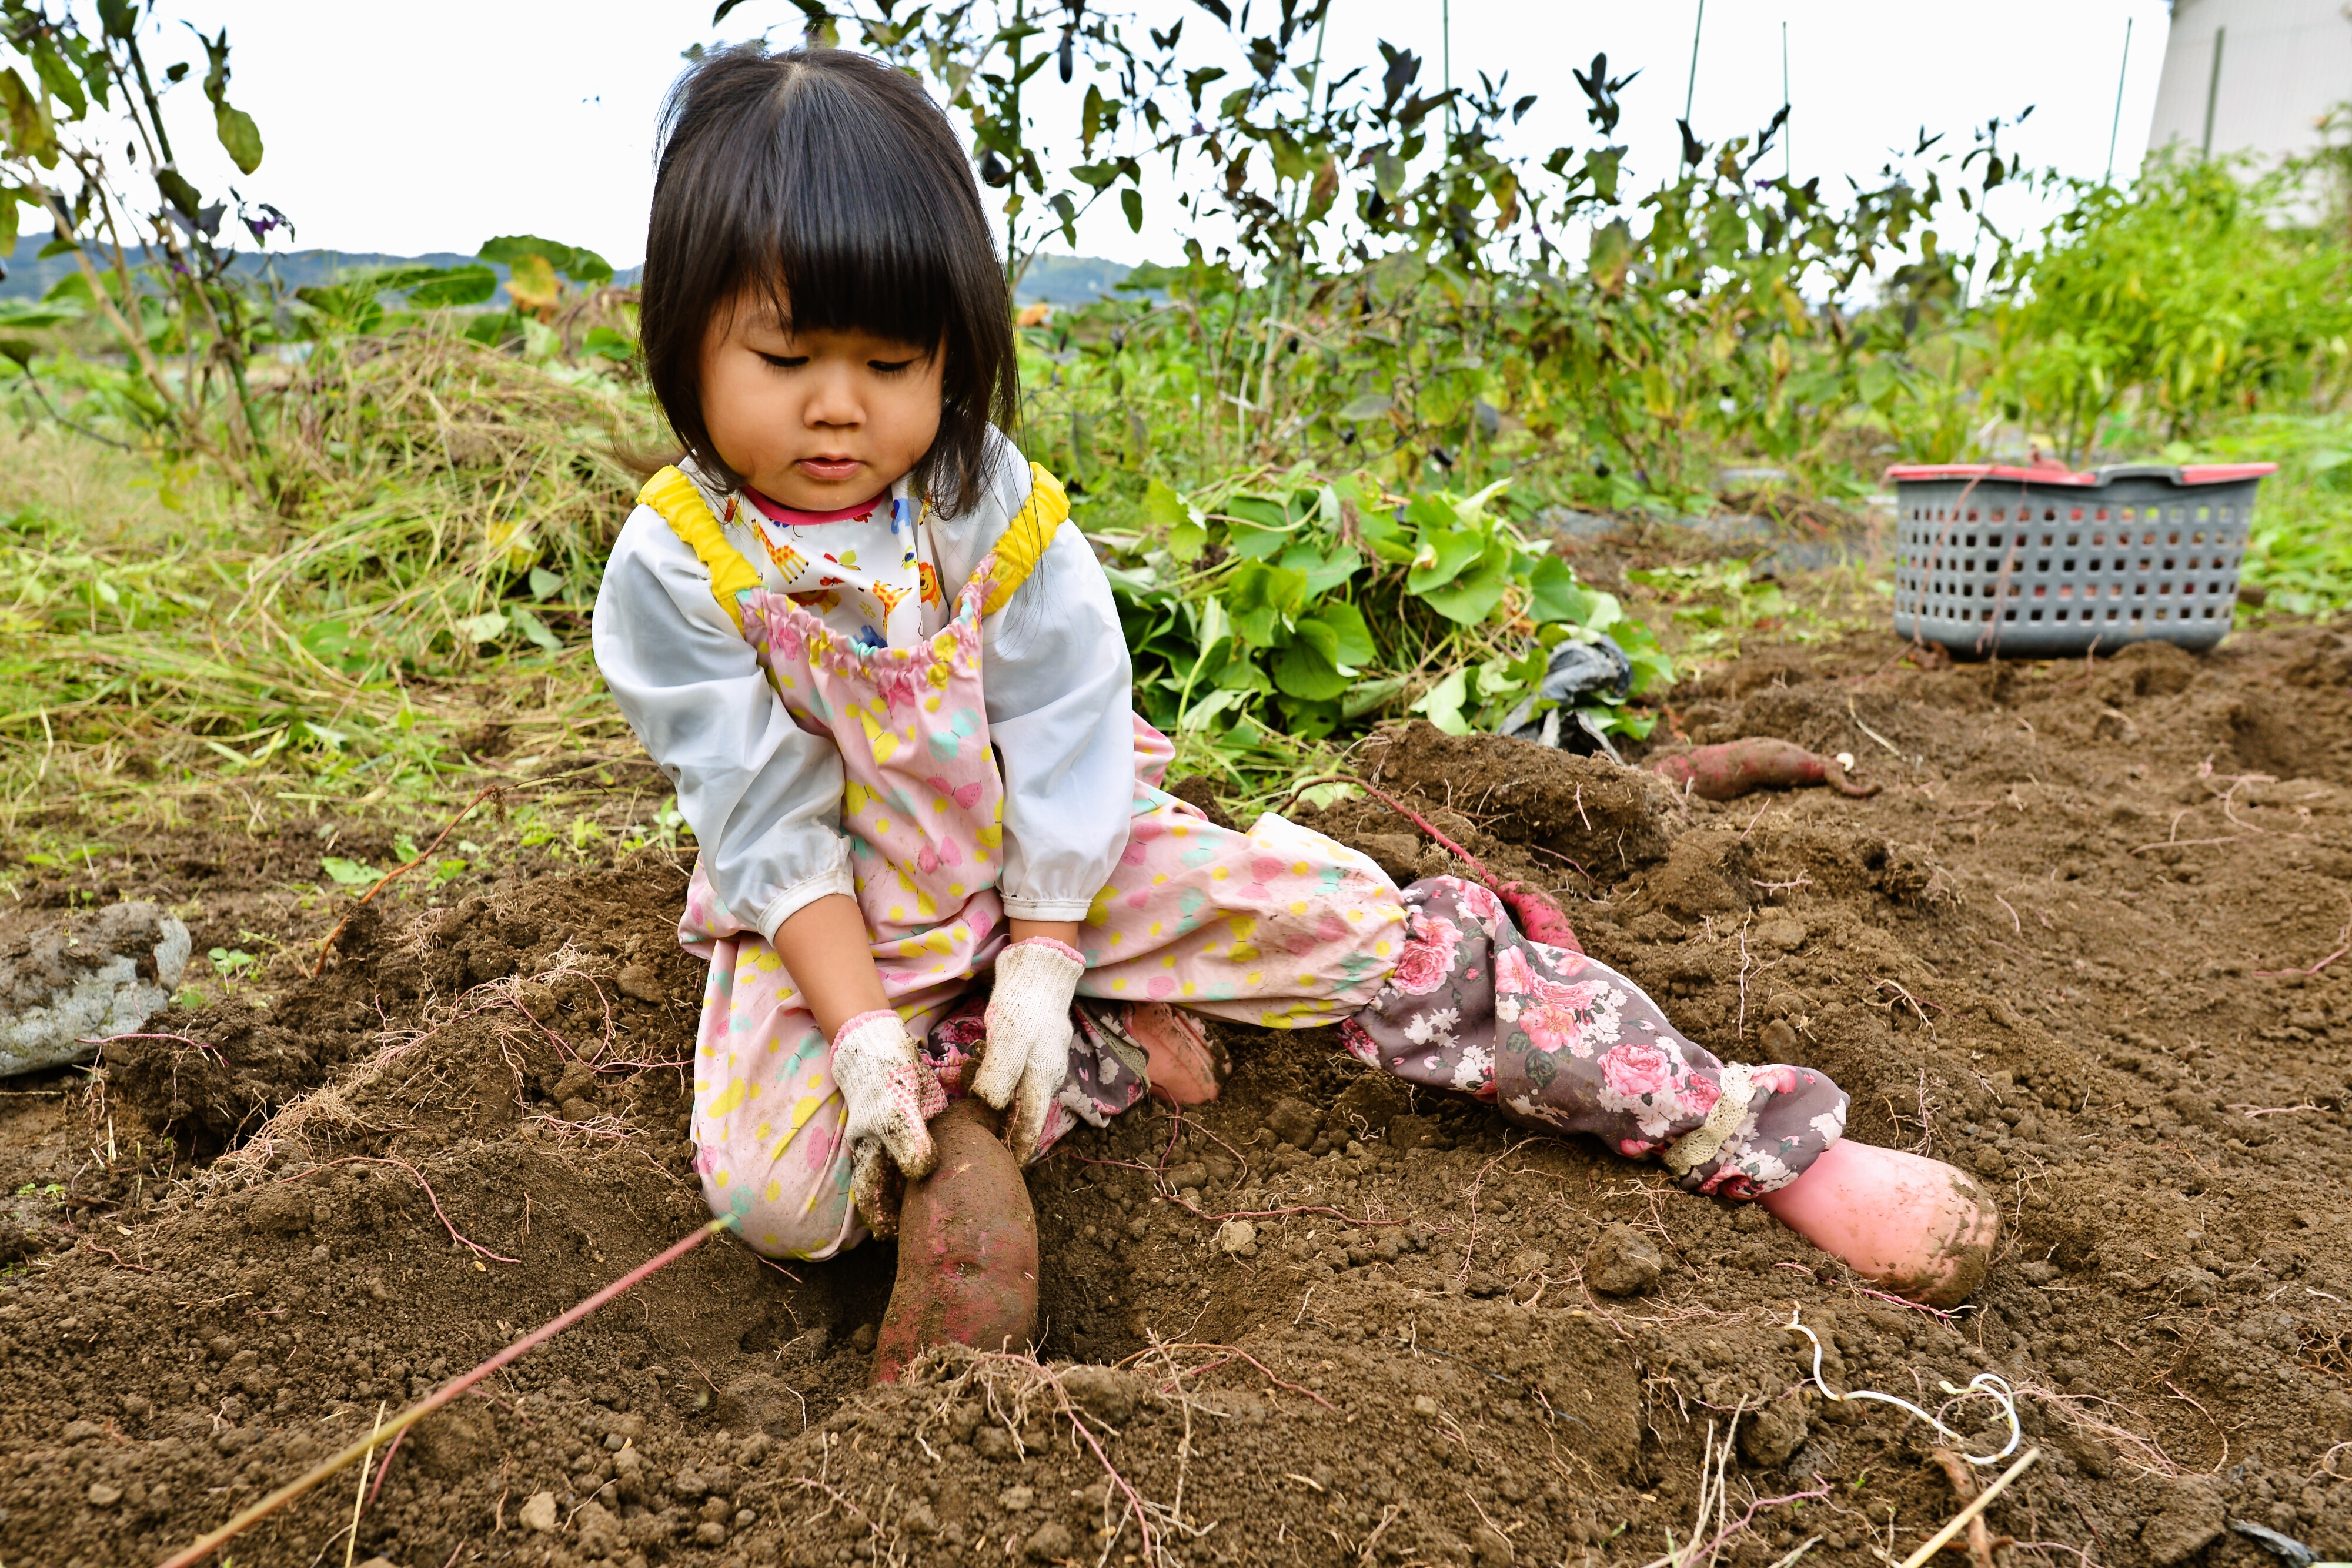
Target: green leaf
{"points": [[1352, 638], [1187, 532], [240, 136], [1256, 544], [30, 131], [1602, 163], [1442, 704], [453, 286], [534, 628], [544, 583], [606, 343], [1197, 716], [1554, 594], [1367, 405], [1130, 202], [58, 77], [1443, 556], [174, 186], [576, 264], [348, 872], [1365, 696], [1472, 597], [487, 627], [1324, 572], [1303, 670], [25, 315], [1260, 598], [1610, 256]]}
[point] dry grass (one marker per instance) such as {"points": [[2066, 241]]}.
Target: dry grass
{"points": [[413, 604]]}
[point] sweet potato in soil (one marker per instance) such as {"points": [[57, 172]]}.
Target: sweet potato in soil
{"points": [[1730, 768], [2086, 946]]}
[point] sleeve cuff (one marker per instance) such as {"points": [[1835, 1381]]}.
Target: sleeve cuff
{"points": [[1047, 908], [833, 878]]}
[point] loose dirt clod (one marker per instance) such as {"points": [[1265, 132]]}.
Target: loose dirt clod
{"points": [[1623, 1262]]}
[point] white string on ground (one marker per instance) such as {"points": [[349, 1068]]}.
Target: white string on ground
{"points": [[1983, 1386]]}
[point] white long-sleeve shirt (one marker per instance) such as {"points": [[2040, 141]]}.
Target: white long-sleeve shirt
{"points": [[763, 796]]}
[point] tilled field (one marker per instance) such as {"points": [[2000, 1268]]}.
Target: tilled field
{"points": [[2090, 941]]}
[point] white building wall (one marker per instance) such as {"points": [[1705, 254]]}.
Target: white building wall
{"points": [[2285, 64]]}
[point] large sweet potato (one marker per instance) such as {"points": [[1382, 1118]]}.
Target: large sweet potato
{"points": [[967, 1248]]}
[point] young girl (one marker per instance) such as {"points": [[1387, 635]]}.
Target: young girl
{"points": [[855, 630]]}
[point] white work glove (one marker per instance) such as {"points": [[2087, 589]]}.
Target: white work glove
{"points": [[890, 1093], [1028, 1051]]}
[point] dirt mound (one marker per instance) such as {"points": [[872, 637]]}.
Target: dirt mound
{"points": [[2088, 942]]}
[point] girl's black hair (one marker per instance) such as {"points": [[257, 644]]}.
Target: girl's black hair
{"points": [[832, 184]]}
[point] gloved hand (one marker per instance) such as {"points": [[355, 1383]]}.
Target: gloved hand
{"points": [[890, 1093], [1028, 1051]]}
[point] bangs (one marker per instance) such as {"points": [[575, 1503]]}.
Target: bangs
{"points": [[854, 234], [827, 187]]}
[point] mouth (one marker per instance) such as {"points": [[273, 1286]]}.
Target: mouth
{"points": [[829, 468]]}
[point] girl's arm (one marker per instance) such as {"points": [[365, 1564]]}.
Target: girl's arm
{"points": [[762, 796], [1065, 932], [825, 950]]}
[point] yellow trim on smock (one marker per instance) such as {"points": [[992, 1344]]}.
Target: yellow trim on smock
{"points": [[681, 505], [672, 494], [1024, 544]]}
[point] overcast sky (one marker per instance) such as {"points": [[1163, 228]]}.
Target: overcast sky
{"points": [[434, 125]]}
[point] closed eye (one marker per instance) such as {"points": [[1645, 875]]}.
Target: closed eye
{"points": [[890, 367], [785, 361]]}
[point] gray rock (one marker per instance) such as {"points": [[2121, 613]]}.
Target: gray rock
{"points": [[1623, 1262], [85, 977]]}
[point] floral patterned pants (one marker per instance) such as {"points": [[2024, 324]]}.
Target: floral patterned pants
{"points": [[1557, 1040], [1552, 1038]]}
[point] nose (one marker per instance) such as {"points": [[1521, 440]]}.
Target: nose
{"points": [[834, 402]]}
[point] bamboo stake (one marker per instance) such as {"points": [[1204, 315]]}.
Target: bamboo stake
{"points": [[206, 1546], [1960, 1521]]}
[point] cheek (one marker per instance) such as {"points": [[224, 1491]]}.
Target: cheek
{"points": [[740, 407], [918, 416]]}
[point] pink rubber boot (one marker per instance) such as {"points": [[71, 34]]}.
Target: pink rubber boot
{"points": [[1920, 1228], [1187, 1068]]}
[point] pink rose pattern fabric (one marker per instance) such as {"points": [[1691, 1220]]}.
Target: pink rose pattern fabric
{"points": [[1560, 1041]]}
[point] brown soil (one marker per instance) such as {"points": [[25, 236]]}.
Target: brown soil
{"points": [[2088, 942]]}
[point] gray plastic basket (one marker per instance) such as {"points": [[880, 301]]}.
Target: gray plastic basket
{"points": [[2042, 562]]}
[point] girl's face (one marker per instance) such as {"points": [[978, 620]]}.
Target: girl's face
{"points": [[818, 421]]}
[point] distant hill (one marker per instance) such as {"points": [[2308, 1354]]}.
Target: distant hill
{"points": [[31, 274], [1050, 279], [1068, 279]]}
